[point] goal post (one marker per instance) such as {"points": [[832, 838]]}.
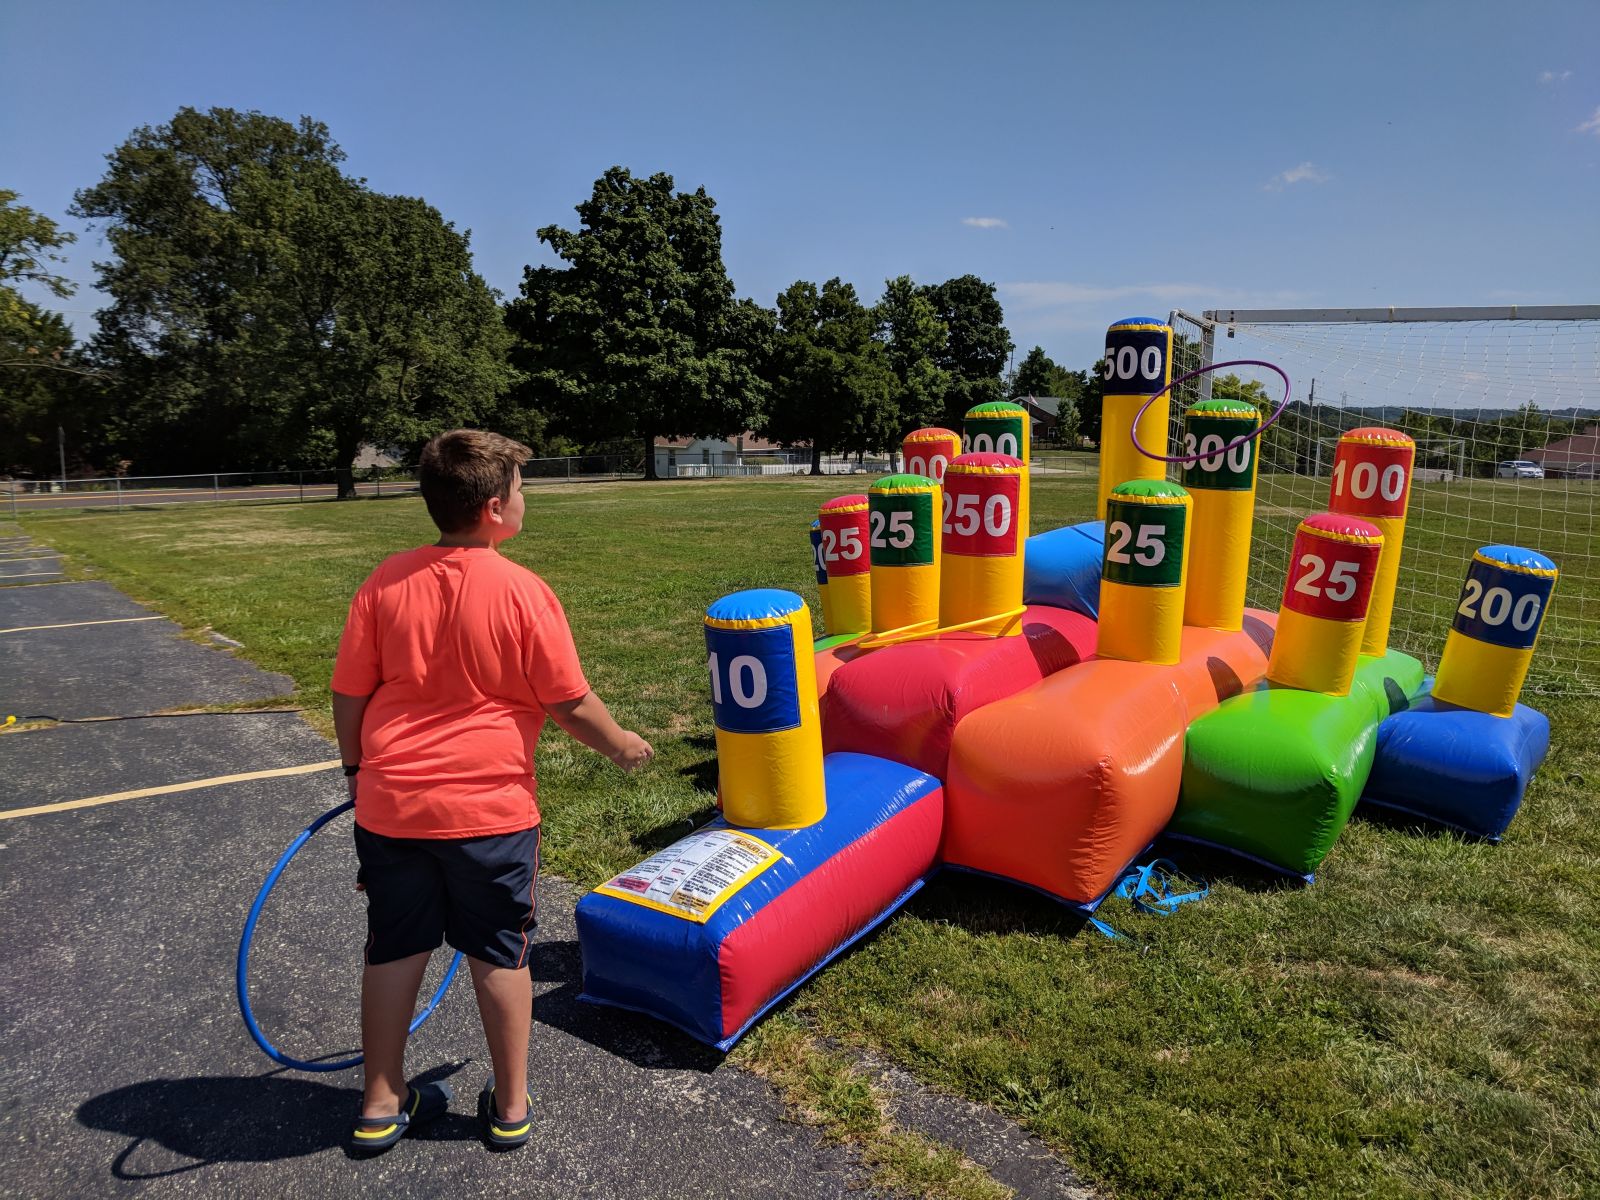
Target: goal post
{"points": [[1504, 405]]}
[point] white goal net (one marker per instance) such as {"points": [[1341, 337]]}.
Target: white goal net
{"points": [[1504, 406]]}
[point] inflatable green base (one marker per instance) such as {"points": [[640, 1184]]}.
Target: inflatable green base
{"points": [[837, 639], [1275, 773]]}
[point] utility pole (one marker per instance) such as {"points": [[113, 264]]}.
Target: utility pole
{"points": [[61, 445]]}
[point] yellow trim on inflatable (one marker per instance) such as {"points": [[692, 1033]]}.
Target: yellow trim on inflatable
{"points": [[1151, 327], [981, 469], [749, 622], [1242, 412], [1128, 498], [1368, 439], [924, 489], [841, 508], [1517, 567], [1332, 535]]}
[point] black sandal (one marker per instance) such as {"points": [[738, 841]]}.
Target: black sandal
{"points": [[424, 1102], [504, 1135]]}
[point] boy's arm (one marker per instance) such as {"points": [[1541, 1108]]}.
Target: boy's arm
{"points": [[347, 714], [588, 720]]}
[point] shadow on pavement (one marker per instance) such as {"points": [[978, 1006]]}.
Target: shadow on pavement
{"points": [[644, 1042], [265, 1118]]}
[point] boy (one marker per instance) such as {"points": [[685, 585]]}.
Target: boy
{"points": [[450, 660]]}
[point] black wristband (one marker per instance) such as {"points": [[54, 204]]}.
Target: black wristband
{"points": [[350, 769]]}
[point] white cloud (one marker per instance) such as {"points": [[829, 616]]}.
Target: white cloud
{"points": [[985, 222], [1592, 125], [1551, 78], [1306, 172]]}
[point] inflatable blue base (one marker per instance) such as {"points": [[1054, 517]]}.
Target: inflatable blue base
{"points": [[1457, 768], [716, 929], [1061, 568]]}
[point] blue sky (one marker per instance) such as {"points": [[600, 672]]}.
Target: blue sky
{"points": [[1092, 161]]}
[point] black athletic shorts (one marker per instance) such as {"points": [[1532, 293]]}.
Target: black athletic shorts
{"points": [[475, 893]]}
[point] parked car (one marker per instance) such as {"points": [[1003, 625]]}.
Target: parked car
{"points": [[1518, 468]]}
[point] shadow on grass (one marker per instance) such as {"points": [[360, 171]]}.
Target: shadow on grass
{"points": [[663, 836], [221, 1119], [701, 774], [1415, 824]]}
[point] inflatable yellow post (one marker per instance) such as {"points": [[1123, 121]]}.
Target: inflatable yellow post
{"points": [[1497, 623], [845, 558], [822, 578], [1001, 427], [981, 581], [1144, 571], [1137, 365], [904, 548], [1331, 572], [1372, 480], [929, 451], [764, 706], [1223, 486]]}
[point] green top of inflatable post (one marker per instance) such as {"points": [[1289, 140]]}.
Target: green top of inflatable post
{"points": [[996, 408], [1227, 409], [1149, 491], [902, 483]]}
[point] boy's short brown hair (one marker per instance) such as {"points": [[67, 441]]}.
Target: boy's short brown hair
{"points": [[460, 471]]}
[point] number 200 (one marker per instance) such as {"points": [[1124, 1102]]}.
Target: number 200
{"points": [[1497, 606]]}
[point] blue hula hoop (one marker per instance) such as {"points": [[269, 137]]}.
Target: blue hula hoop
{"points": [[242, 968]]}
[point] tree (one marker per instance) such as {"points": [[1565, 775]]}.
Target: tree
{"points": [[1091, 405], [977, 346], [914, 338], [832, 382], [28, 244], [266, 309], [640, 335], [41, 387], [1039, 375]]}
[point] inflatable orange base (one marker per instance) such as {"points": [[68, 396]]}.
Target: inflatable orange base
{"points": [[1062, 785]]}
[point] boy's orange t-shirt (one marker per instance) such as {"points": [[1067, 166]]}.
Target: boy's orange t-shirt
{"points": [[461, 651]]}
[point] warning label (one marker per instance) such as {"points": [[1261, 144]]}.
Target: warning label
{"points": [[692, 878]]}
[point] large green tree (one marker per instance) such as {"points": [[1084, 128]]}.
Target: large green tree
{"points": [[46, 392], [266, 309], [915, 339], [833, 385], [29, 242], [977, 346], [639, 336]]}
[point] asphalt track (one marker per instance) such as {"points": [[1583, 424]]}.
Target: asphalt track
{"points": [[129, 852]]}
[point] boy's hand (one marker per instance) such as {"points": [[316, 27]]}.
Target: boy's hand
{"points": [[635, 751]]}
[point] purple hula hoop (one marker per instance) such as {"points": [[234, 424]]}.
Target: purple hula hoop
{"points": [[1184, 460]]}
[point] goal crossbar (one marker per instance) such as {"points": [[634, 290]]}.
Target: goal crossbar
{"points": [[1342, 316]]}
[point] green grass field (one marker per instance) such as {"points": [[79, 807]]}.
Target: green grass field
{"points": [[1425, 1021]]}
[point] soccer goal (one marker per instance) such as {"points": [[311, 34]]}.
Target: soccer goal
{"points": [[1504, 404]]}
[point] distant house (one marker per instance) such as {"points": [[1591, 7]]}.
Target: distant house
{"points": [[1576, 457], [1045, 414], [368, 455], [720, 456]]}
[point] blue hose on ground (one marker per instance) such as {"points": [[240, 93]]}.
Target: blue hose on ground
{"points": [[242, 968]]}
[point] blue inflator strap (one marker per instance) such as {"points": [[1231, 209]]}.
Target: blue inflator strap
{"points": [[1149, 889]]}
